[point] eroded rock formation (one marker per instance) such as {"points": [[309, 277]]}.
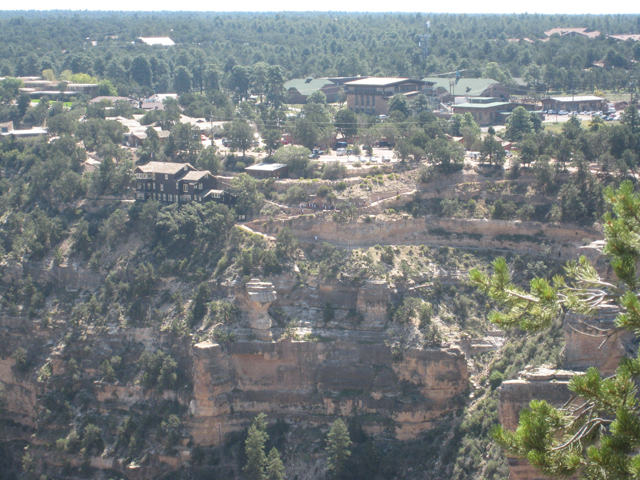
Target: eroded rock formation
{"points": [[589, 342], [307, 381]]}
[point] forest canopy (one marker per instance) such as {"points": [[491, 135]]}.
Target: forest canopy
{"points": [[211, 46]]}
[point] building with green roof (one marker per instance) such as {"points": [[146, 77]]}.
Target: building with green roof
{"points": [[299, 89], [459, 89], [490, 111]]}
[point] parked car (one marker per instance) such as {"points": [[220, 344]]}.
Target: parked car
{"points": [[385, 144], [318, 151], [313, 156], [563, 112], [386, 158], [341, 151], [340, 145]]}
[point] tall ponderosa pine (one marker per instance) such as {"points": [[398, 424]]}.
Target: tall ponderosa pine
{"points": [[254, 448], [275, 467], [598, 434], [338, 443]]}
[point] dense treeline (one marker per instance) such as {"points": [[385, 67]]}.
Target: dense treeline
{"points": [[209, 46]]}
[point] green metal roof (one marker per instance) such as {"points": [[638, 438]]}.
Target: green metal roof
{"points": [[470, 87], [482, 105], [306, 86]]}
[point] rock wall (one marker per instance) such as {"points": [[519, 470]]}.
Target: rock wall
{"points": [[68, 277], [519, 237], [596, 342], [308, 381]]}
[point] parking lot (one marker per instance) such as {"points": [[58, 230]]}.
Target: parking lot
{"points": [[585, 117], [380, 155]]}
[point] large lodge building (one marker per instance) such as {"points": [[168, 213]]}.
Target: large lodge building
{"points": [[178, 183], [371, 95]]}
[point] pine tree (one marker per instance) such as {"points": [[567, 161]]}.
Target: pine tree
{"points": [[338, 443], [597, 435], [275, 467], [254, 448]]}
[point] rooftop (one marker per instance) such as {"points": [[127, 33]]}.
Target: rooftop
{"points": [[579, 31], [624, 38], [266, 167], [111, 99], [195, 175], [481, 105], [163, 41], [164, 167], [584, 98], [306, 86], [196, 122], [160, 97], [468, 87], [378, 81], [31, 132]]}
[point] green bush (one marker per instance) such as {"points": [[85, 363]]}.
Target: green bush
{"points": [[405, 311], [333, 171], [341, 186], [323, 190], [296, 195], [495, 379]]}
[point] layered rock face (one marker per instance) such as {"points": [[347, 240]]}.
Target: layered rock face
{"points": [[372, 302], [343, 370], [307, 381], [589, 342], [521, 237]]}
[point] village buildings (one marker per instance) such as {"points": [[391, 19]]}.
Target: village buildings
{"points": [[574, 103], [371, 95], [573, 32], [39, 87], [490, 111], [460, 90], [299, 89]]}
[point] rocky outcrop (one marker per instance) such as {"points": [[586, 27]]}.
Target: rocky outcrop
{"points": [[373, 299], [596, 342], [308, 381], [590, 341], [66, 276], [256, 301]]}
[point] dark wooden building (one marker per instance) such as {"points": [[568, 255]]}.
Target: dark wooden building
{"points": [[268, 170], [178, 183]]}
